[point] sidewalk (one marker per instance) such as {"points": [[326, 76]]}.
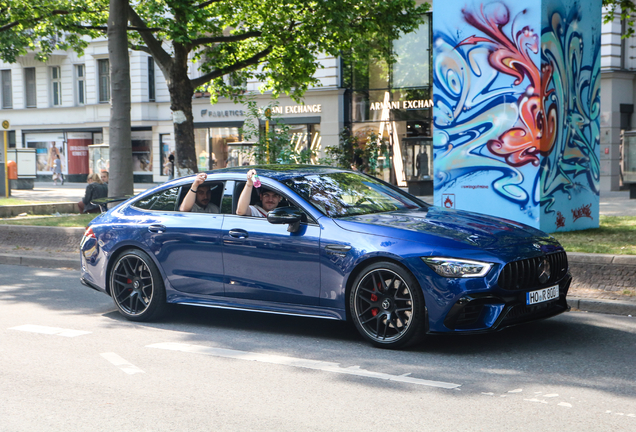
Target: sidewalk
{"points": [[69, 192], [50, 253]]}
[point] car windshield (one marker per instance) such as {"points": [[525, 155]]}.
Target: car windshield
{"points": [[349, 194]]}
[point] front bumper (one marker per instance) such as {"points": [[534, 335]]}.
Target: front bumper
{"points": [[486, 312]]}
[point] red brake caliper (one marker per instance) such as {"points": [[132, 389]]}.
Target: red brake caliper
{"points": [[374, 298]]}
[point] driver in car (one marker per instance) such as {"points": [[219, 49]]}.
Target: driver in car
{"points": [[269, 199], [198, 197]]}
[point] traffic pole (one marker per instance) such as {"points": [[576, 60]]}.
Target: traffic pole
{"points": [[5, 126]]}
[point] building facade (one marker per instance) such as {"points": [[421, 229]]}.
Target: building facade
{"points": [[618, 95]]}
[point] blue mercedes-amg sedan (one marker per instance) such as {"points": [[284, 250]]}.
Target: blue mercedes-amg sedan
{"points": [[340, 245]]}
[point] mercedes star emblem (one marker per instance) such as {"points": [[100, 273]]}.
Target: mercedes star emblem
{"points": [[544, 271]]}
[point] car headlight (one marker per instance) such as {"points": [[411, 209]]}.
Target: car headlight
{"points": [[457, 268]]}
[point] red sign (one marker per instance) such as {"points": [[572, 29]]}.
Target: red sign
{"points": [[448, 200], [77, 147]]}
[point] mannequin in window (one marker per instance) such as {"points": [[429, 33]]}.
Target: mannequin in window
{"points": [[421, 164]]}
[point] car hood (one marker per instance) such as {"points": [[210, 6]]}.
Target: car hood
{"points": [[501, 236]]}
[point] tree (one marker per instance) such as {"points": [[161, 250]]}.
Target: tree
{"points": [[120, 145], [276, 42]]}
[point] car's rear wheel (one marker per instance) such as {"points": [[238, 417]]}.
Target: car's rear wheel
{"points": [[137, 287], [387, 306]]}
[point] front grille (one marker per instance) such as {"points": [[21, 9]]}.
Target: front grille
{"points": [[524, 274]]}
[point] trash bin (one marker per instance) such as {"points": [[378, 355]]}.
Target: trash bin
{"points": [[12, 175]]}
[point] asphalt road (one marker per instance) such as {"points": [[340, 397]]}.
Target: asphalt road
{"points": [[69, 362]]}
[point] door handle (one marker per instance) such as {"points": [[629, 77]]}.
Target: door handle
{"points": [[157, 228], [238, 233], [339, 250]]}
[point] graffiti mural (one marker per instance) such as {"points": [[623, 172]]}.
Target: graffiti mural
{"points": [[516, 105]]}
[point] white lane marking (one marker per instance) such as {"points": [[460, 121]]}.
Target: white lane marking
{"points": [[515, 391], [551, 395], [122, 364], [298, 362], [536, 400], [50, 330], [565, 404]]}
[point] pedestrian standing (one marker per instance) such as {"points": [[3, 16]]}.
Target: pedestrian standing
{"points": [[57, 170]]}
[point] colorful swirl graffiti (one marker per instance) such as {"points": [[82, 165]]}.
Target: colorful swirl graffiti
{"points": [[496, 110]]}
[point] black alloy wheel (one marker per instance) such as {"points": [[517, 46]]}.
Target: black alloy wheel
{"points": [[387, 306], [137, 287]]}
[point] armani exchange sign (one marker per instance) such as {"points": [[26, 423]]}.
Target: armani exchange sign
{"points": [[407, 104]]}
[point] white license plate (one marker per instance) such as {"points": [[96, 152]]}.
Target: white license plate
{"points": [[542, 295]]}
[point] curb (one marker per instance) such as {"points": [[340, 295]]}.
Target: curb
{"points": [[614, 307], [40, 261], [38, 209]]}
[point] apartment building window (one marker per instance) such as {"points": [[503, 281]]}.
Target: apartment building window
{"points": [[103, 72], [7, 97], [29, 87], [151, 79], [56, 86], [80, 84]]}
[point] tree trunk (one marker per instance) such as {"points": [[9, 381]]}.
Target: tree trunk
{"points": [[121, 175], [181, 92]]}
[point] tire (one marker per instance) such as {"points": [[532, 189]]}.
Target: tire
{"points": [[137, 288], [387, 306]]}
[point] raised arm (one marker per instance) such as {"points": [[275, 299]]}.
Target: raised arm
{"points": [[191, 196], [246, 195]]}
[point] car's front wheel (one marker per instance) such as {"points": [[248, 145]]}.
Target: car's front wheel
{"points": [[387, 306], [137, 287]]}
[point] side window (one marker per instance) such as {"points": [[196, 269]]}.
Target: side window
{"points": [[216, 193], [165, 200], [284, 202]]}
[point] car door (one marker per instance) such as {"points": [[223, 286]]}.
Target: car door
{"points": [[266, 263], [188, 246]]}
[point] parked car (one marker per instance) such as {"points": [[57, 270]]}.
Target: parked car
{"points": [[341, 245]]}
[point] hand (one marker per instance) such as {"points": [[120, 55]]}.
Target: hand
{"points": [[200, 178], [251, 173]]}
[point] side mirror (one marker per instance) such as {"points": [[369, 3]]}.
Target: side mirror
{"points": [[286, 215]]}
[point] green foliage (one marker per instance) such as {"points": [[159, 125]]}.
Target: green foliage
{"points": [[627, 12], [42, 26], [357, 151], [277, 42]]}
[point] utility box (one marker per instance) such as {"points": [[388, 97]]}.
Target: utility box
{"points": [[516, 94], [25, 160]]}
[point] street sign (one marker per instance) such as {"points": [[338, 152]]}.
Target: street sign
{"points": [[5, 124]]}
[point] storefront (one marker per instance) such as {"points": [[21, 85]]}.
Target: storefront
{"points": [[219, 136], [394, 103], [71, 147]]}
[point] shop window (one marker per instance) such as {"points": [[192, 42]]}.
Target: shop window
{"points": [[370, 71], [211, 146], [80, 84], [413, 58], [103, 72], [56, 86], [29, 87], [142, 151], [7, 97]]}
